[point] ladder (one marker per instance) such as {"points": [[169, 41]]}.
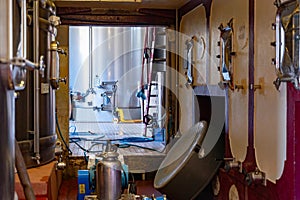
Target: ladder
{"points": [[154, 62]]}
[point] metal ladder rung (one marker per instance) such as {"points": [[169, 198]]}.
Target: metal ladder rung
{"points": [[161, 47], [159, 59], [161, 32]]}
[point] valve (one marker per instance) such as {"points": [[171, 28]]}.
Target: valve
{"points": [[256, 176], [63, 80], [42, 66], [231, 163], [60, 165]]}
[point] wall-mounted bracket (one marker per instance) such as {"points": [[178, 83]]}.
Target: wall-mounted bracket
{"points": [[255, 87], [238, 87]]}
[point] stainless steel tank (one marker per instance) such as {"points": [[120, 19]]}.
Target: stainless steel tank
{"points": [[106, 54], [108, 175], [35, 106], [7, 115]]}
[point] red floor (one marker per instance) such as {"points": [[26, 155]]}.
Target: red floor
{"points": [[68, 190], [45, 181]]}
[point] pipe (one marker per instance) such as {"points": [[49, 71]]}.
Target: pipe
{"points": [[90, 58], [19, 74], [36, 118], [49, 5], [23, 50], [23, 175]]}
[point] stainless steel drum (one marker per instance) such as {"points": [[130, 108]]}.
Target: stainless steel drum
{"points": [[187, 169], [108, 175]]}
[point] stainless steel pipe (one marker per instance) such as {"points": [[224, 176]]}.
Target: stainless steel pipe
{"points": [[23, 36], [36, 118]]}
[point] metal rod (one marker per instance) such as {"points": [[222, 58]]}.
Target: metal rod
{"points": [[90, 58], [36, 80], [23, 50]]}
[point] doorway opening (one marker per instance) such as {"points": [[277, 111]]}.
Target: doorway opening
{"points": [[111, 83]]}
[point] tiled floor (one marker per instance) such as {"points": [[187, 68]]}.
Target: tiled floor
{"points": [[111, 128], [90, 138]]}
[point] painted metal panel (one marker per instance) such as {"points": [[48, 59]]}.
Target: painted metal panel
{"points": [[192, 24], [222, 12], [270, 104]]}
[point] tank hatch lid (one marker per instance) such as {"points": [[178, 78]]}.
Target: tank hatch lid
{"points": [[180, 154]]}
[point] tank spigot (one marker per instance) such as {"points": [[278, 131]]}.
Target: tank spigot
{"points": [[231, 163], [37, 158], [42, 66], [60, 165], [256, 176]]}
